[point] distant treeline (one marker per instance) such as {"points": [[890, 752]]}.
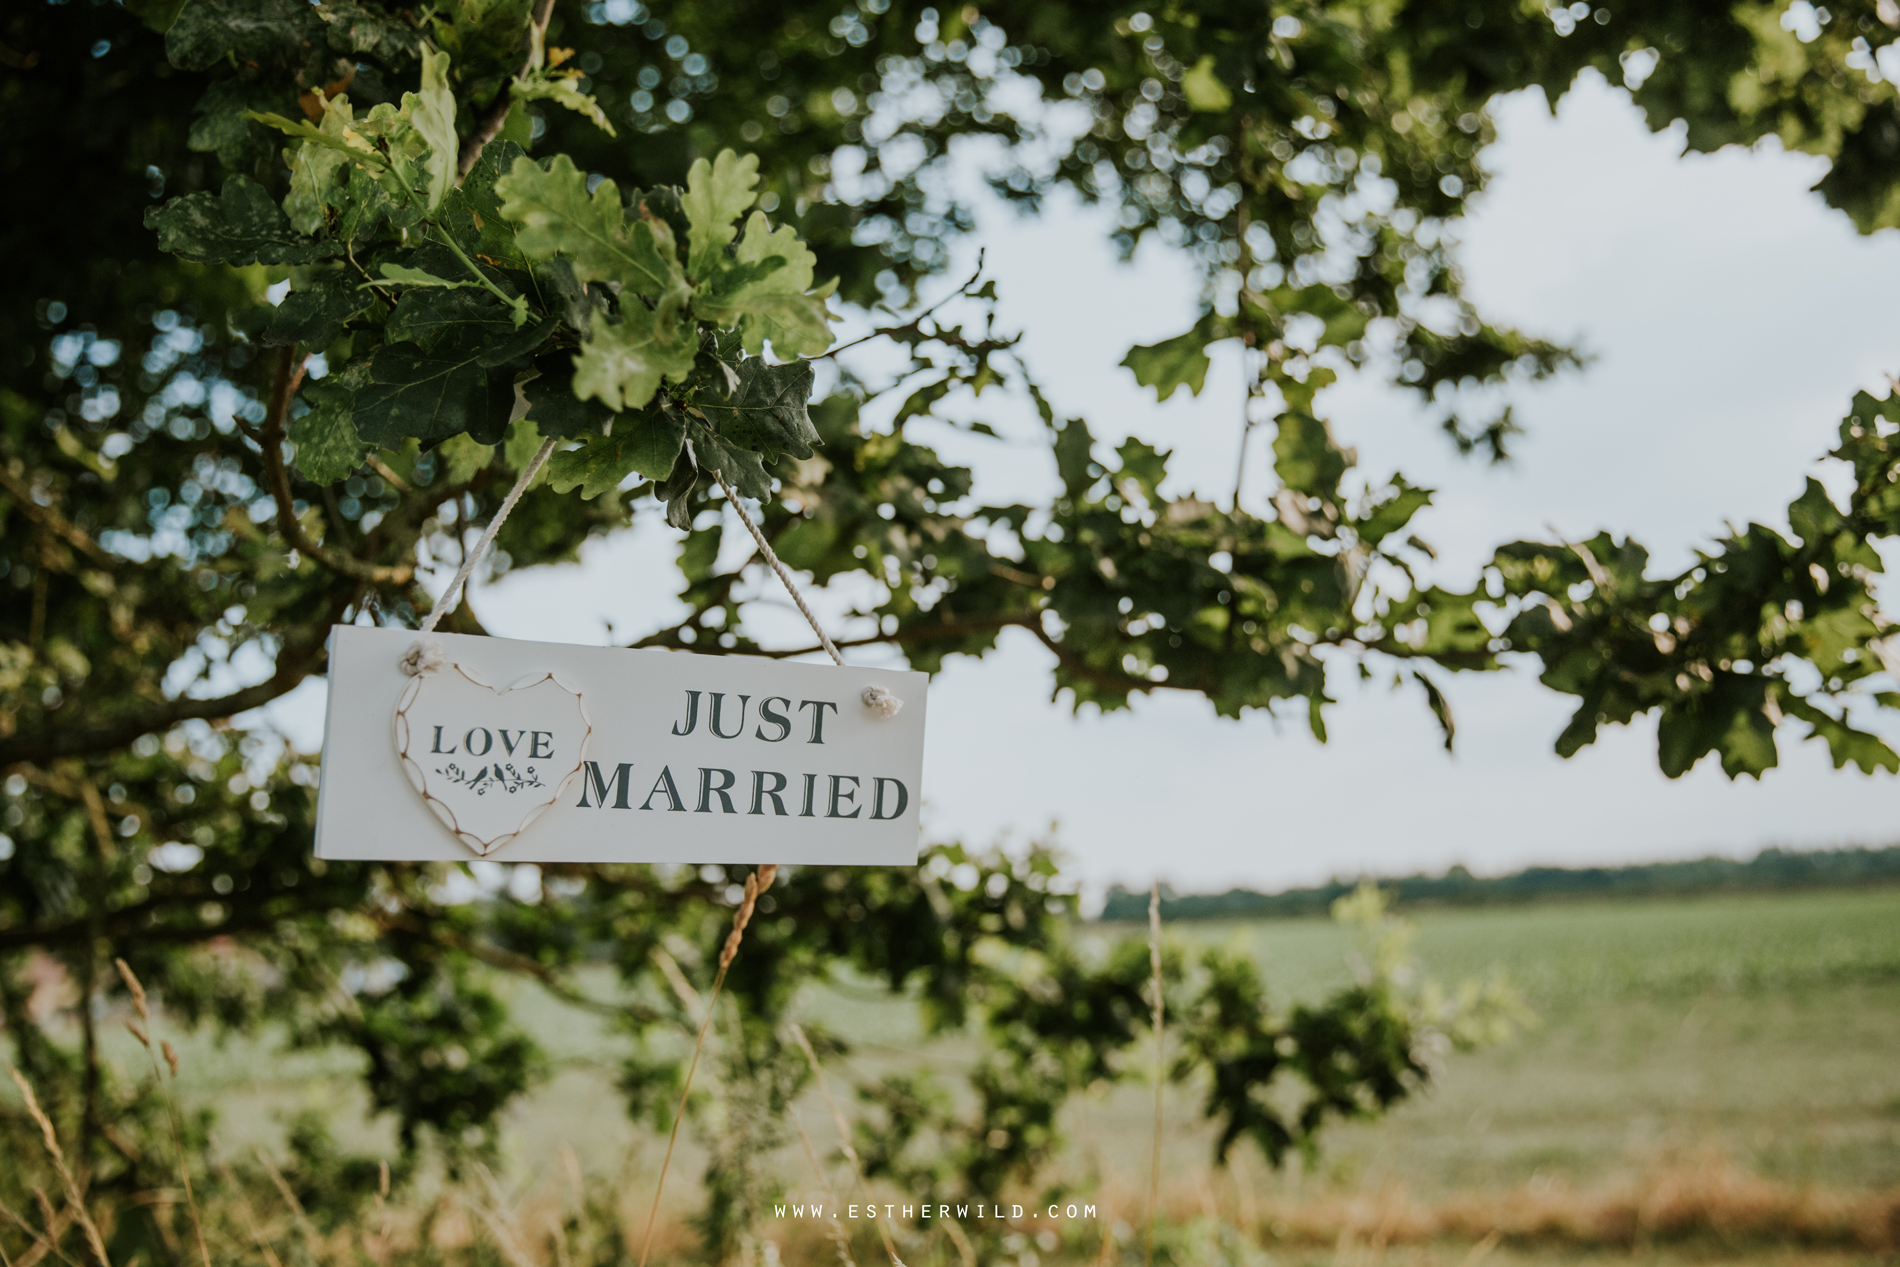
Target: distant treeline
{"points": [[1770, 869]]}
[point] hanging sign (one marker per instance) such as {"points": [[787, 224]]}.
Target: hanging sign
{"points": [[445, 747]]}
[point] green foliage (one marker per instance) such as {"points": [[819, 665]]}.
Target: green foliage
{"points": [[313, 315], [207, 32], [328, 448], [561, 89], [624, 363], [458, 337], [240, 226], [1177, 362], [1306, 457], [367, 31], [645, 446], [648, 305], [1204, 90], [225, 126], [432, 114], [716, 195], [1726, 648], [592, 231], [767, 288], [1059, 1021], [768, 409], [407, 392]]}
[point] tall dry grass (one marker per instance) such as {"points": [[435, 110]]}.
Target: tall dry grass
{"points": [[1706, 1201], [577, 1220], [572, 1219], [1703, 1199]]}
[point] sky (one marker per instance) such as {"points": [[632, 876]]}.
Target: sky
{"points": [[1729, 316]]}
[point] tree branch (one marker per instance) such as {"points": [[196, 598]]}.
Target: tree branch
{"points": [[126, 923], [49, 518], [1104, 678], [289, 375], [914, 325], [294, 663], [912, 633], [497, 114]]}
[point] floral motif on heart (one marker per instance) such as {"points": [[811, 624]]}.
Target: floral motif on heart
{"points": [[486, 778]]}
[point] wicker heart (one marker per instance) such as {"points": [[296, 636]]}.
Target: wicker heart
{"points": [[489, 760]]}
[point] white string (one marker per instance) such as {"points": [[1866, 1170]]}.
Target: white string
{"points": [[880, 701], [778, 567], [447, 602]]}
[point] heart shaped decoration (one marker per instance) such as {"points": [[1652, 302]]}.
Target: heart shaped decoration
{"points": [[490, 760]]}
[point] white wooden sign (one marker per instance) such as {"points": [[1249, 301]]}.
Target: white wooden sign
{"points": [[547, 752]]}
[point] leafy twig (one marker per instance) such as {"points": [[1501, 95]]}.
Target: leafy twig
{"points": [[908, 633], [517, 304], [915, 324]]}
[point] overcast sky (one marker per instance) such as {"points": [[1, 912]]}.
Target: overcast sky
{"points": [[1730, 315]]}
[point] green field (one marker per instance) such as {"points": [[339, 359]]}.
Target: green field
{"points": [[1716, 1041], [1766, 1028]]}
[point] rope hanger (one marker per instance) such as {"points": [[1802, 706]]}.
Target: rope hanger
{"points": [[880, 701], [448, 600]]}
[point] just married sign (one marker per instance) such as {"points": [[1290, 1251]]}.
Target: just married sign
{"points": [[446, 747]]}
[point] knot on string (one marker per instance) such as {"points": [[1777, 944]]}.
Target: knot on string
{"points": [[880, 703], [425, 655]]}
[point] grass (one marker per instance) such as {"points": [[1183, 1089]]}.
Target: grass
{"points": [[1765, 1024], [1764, 1027], [1711, 1080], [1567, 954]]}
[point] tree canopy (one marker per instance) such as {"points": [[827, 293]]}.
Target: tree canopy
{"points": [[1306, 166], [295, 290]]}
